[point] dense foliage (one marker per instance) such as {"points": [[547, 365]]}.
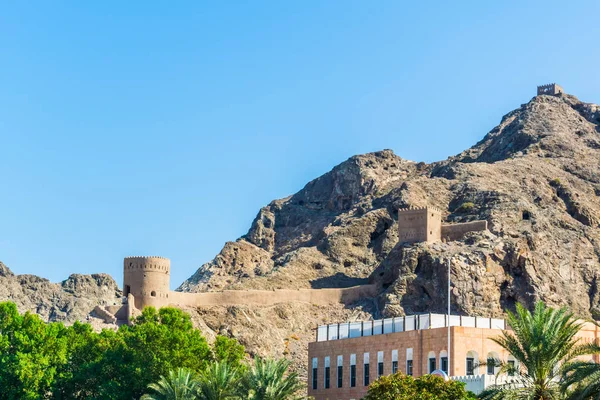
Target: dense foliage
{"points": [[41, 360], [427, 387]]}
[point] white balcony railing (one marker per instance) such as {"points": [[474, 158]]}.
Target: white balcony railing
{"points": [[402, 324]]}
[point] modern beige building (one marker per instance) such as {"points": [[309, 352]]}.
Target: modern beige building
{"points": [[345, 358]]}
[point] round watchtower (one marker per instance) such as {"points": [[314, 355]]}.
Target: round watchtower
{"points": [[147, 279]]}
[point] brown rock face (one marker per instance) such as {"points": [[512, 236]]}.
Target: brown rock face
{"points": [[68, 301], [535, 178]]}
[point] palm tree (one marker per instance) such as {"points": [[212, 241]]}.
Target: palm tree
{"points": [[269, 379], [180, 384], [544, 345], [582, 378], [219, 381]]}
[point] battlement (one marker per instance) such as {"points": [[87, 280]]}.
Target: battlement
{"points": [[425, 208], [146, 257], [551, 89]]}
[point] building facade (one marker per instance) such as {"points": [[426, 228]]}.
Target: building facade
{"points": [[345, 358]]}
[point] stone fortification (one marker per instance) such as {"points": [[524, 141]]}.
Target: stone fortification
{"points": [[424, 224], [146, 283], [147, 279], [550, 89]]}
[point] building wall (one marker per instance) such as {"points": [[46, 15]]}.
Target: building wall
{"points": [[422, 342], [464, 340]]}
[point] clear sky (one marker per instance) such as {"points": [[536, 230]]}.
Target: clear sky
{"points": [[161, 128]]}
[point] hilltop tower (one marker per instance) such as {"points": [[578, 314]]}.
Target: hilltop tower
{"points": [[551, 89], [419, 224], [147, 279]]}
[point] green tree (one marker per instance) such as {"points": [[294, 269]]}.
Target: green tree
{"points": [[544, 345], [122, 365], [269, 379], [180, 384], [427, 387], [219, 381], [31, 353], [228, 350]]}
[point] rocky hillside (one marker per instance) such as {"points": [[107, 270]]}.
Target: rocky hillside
{"points": [[68, 301], [535, 178]]}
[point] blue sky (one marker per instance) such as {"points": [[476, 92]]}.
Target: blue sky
{"points": [[140, 128]]}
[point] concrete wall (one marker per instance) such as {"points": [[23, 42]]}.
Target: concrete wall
{"points": [[457, 231]]}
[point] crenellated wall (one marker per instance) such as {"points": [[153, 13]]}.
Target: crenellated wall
{"points": [[550, 89]]}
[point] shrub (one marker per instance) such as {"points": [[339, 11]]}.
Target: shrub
{"points": [[427, 387], [465, 207]]}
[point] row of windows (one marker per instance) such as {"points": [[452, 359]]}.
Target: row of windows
{"points": [[470, 366], [366, 371]]}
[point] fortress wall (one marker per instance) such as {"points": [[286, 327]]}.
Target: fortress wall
{"points": [[457, 231], [271, 297]]}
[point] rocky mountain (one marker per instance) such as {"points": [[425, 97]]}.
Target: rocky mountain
{"points": [[535, 178], [68, 301]]}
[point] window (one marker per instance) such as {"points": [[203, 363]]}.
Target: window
{"points": [[314, 378], [379, 369], [431, 364], [491, 363], [327, 373], [153, 293], [409, 367], [444, 362], [340, 377], [394, 367], [511, 369], [366, 378], [352, 375], [470, 366]]}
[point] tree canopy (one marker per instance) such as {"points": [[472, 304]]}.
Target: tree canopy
{"points": [[48, 360]]}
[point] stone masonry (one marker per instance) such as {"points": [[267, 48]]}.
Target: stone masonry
{"points": [[551, 89], [424, 224]]}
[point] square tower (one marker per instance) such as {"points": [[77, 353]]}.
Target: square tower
{"points": [[419, 224], [551, 89]]}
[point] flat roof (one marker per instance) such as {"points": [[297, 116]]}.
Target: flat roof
{"points": [[348, 330]]}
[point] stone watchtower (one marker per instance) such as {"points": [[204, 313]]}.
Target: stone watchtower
{"points": [[419, 224], [147, 279], [551, 89]]}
